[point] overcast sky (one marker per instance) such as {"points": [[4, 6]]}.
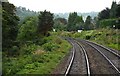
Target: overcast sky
{"points": [[62, 6]]}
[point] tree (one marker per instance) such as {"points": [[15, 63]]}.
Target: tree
{"points": [[71, 23], [78, 19], [88, 24], [22, 12], [104, 14], [109, 17], [45, 22], [9, 25], [79, 23], [113, 10], [60, 24], [96, 22], [75, 22], [62, 20], [118, 10], [28, 30]]}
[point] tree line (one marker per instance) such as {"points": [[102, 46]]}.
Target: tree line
{"points": [[109, 16], [74, 23], [15, 33], [31, 29], [22, 12]]}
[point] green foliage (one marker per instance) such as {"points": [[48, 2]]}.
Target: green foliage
{"points": [[9, 25], [88, 37], [110, 23], [52, 45], [109, 13], [28, 30], [109, 17], [14, 51], [22, 12], [113, 10], [79, 23], [28, 49], [75, 22], [45, 22], [88, 24], [60, 24], [107, 37], [29, 62], [71, 24], [118, 10], [104, 14], [61, 20]]}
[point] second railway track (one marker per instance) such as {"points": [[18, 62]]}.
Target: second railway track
{"points": [[112, 58]]}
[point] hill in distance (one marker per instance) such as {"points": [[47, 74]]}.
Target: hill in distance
{"points": [[66, 15], [22, 12]]}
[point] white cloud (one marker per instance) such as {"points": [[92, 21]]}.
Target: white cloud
{"points": [[64, 5]]}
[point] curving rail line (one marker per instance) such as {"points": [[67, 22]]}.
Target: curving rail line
{"points": [[105, 57], [86, 57], [104, 48], [92, 44], [71, 61], [73, 56]]}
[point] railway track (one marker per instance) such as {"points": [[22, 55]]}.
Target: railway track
{"points": [[117, 53], [76, 67], [112, 57], [115, 67], [93, 60], [108, 54]]}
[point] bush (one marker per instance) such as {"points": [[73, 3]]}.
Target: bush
{"points": [[14, 50], [110, 23], [28, 49], [28, 62], [58, 41], [88, 37], [28, 30], [50, 46]]}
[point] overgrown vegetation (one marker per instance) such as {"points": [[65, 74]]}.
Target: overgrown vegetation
{"points": [[35, 59], [112, 23], [29, 48], [109, 17], [9, 26], [60, 24], [107, 37]]}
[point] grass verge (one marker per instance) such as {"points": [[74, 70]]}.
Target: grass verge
{"points": [[35, 59], [107, 37]]}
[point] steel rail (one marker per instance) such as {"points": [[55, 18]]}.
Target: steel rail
{"points": [[71, 61], [105, 48], [105, 57], [86, 58]]}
